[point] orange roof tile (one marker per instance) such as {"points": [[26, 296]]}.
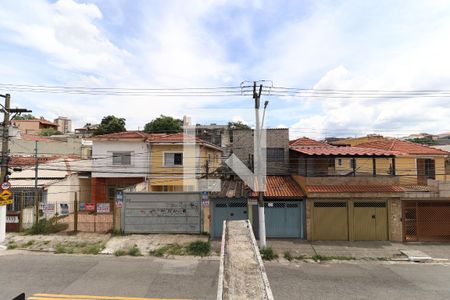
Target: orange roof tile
{"points": [[127, 135], [306, 142], [404, 147], [281, 187], [344, 151], [344, 188]]}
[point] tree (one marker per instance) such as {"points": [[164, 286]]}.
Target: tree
{"points": [[164, 124], [110, 124], [424, 141], [49, 131], [237, 125], [25, 117]]}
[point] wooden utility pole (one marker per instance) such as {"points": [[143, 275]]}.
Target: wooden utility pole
{"points": [[75, 213], [5, 137]]}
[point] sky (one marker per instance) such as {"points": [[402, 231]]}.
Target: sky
{"points": [[385, 45]]}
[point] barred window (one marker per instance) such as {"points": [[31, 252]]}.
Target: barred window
{"points": [[173, 159], [275, 154]]}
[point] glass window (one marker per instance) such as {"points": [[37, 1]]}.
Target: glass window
{"points": [[173, 159], [122, 158]]}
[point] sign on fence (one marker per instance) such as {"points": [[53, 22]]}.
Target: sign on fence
{"points": [[103, 208], [49, 208], [119, 199], [82, 206], [90, 206], [64, 209], [12, 219]]}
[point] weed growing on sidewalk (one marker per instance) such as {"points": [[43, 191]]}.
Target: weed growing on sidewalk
{"points": [[267, 253], [120, 252], [134, 251], [318, 257], [198, 248], [11, 245], [288, 256], [171, 249], [83, 248], [47, 226]]}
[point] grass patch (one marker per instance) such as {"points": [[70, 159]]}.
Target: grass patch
{"points": [[267, 253], [47, 226], [171, 249], [134, 251], [61, 248], [79, 248], [11, 245], [28, 244], [93, 249], [318, 257], [198, 248], [120, 252]]}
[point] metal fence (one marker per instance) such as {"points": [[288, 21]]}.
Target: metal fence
{"points": [[426, 221]]}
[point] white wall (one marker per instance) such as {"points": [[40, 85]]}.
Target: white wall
{"points": [[102, 152]]}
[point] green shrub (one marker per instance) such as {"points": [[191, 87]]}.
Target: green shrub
{"points": [[120, 252], [60, 249], [134, 251], [267, 253], [92, 249], [318, 257], [11, 245], [170, 249], [47, 226], [198, 248], [28, 244]]}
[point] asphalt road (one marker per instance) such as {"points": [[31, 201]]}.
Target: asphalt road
{"points": [[194, 278]]}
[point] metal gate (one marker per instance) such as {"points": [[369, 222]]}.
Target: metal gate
{"points": [[370, 221], [330, 221], [284, 219], [226, 209], [426, 221], [161, 212]]}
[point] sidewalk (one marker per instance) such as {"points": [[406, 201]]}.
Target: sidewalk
{"points": [[356, 250]]}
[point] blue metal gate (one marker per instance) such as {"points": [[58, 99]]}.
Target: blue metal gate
{"points": [[226, 209], [284, 219]]}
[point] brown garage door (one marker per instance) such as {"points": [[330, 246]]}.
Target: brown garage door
{"points": [[330, 221], [426, 221]]}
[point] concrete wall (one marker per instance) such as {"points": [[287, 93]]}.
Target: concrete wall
{"points": [[102, 152], [72, 146], [243, 141]]}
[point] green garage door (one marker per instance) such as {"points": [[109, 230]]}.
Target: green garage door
{"points": [[284, 219], [225, 209]]}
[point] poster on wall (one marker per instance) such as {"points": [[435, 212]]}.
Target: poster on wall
{"points": [[64, 209], [89, 206], [49, 208]]}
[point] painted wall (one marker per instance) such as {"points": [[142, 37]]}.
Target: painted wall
{"points": [[102, 152]]}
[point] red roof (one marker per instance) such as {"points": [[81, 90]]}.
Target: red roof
{"points": [[42, 121], [343, 151], [281, 187], [344, 188], [307, 142], [403, 146], [22, 161], [178, 138], [31, 137], [127, 135]]}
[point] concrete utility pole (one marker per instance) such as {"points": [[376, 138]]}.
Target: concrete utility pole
{"points": [[7, 110], [258, 167], [5, 136], [36, 193]]}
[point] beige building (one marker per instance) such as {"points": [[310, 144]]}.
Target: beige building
{"points": [[33, 126], [64, 124]]}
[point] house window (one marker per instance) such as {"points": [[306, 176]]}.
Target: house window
{"points": [[430, 170], [275, 154], [173, 159], [339, 161], [121, 158]]}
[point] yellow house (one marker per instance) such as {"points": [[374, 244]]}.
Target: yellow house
{"points": [[178, 161], [415, 163]]}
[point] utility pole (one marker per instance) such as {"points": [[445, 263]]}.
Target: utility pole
{"points": [[258, 168], [6, 109], [36, 193]]}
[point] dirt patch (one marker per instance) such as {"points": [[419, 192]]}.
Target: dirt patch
{"points": [[242, 277], [150, 242]]}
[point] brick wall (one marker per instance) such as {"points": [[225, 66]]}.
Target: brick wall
{"points": [[395, 220]]}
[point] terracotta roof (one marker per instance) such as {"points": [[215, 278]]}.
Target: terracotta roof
{"points": [[42, 121], [32, 137], [404, 147], [306, 142], [127, 135], [178, 138], [231, 189], [343, 151], [354, 188], [281, 187], [22, 161]]}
